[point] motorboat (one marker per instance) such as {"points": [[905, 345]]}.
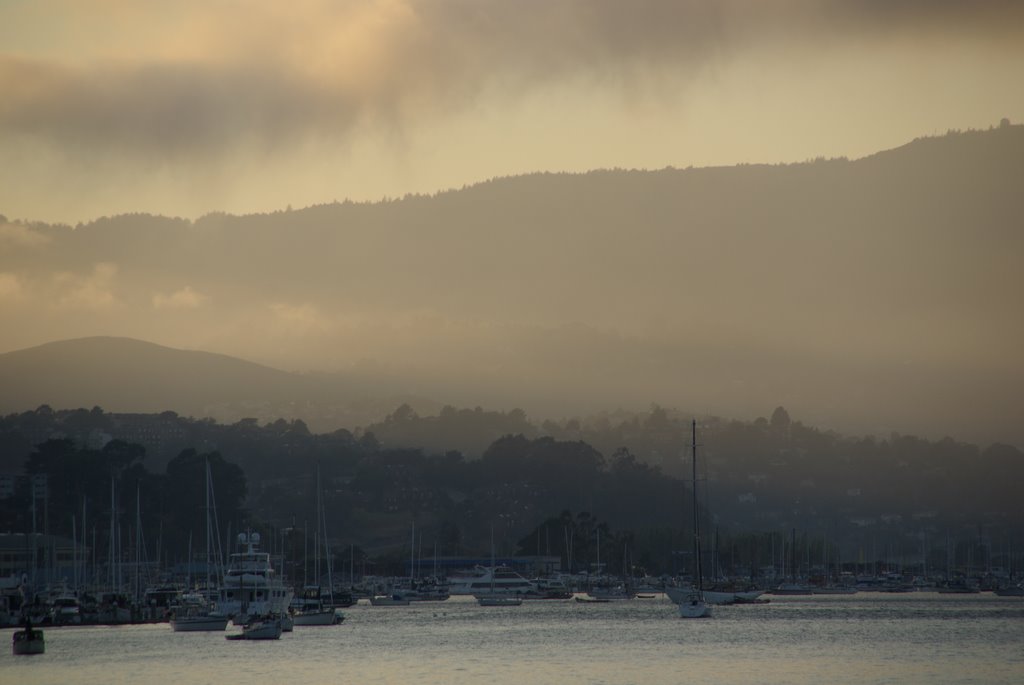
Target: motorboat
{"points": [[195, 614], [483, 578]]}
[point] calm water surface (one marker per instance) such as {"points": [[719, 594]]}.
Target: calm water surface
{"points": [[863, 638]]}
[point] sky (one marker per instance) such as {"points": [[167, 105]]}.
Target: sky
{"points": [[184, 108]]}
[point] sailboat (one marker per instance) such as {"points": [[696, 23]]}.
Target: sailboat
{"points": [[694, 605], [311, 609], [195, 613]]}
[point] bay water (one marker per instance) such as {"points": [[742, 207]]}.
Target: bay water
{"points": [[864, 638]]}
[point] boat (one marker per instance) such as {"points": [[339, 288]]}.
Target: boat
{"points": [[259, 628], [194, 612], [392, 600], [694, 605], [28, 640], [1010, 591], [548, 588], [499, 600], [310, 609], [504, 597], [502, 578], [680, 594], [250, 586], [611, 592], [198, 620]]}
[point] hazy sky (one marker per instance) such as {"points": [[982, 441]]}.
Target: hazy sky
{"points": [[185, 107]]}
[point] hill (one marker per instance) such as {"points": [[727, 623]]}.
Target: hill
{"points": [[870, 296]]}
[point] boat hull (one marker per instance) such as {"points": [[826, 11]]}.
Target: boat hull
{"points": [[694, 608], [27, 642], [197, 624], [327, 617]]}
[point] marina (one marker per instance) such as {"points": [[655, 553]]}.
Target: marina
{"points": [[864, 638]]}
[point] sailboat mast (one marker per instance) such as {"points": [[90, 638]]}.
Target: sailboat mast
{"points": [[696, 521]]}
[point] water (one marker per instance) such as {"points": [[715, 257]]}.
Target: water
{"points": [[863, 638]]}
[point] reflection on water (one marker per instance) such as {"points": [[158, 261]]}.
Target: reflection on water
{"points": [[864, 638]]}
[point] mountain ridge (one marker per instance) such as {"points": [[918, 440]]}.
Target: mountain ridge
{"points": [[869, 295]]}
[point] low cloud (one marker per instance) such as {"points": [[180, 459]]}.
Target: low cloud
{"points": [[299, 320], [18, 236], [186, 298], [92, 291], [10, 287]]}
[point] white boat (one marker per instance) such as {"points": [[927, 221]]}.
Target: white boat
{"points": [[194, 613], [695, 605], [392, 600], [250, 585], [502, 578], [28, 641], [499, 600], [500, 597], [266, 628]]}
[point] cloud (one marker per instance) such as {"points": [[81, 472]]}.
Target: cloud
{"points": [[299, 320], [10, 287], [18, 236], [186, 298], [207, 81], [94, 291]]}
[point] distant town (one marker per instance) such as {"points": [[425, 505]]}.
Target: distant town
{"points": [[83, 492]]}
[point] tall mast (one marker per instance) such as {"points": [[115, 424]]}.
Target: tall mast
{"points": [[696, 521]]}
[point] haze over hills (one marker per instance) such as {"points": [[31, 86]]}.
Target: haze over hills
{"points": [[875, 295], [128, 376]]}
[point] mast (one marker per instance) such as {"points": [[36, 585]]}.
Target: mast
{"points": [[696, 521], [206, 473]]}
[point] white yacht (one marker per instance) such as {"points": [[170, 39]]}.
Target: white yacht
{"points": [[250, 586], [491, 580]]}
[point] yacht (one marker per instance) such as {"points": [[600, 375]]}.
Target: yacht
{"points": [[250, 585], [488, 579], [195, 613]]}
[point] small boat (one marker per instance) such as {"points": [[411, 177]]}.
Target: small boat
{"points": [[586, 599], [316, 617], [28, 641], [268, 628], [198, 620], [499, 600], [196, 614], [393, 600]]}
